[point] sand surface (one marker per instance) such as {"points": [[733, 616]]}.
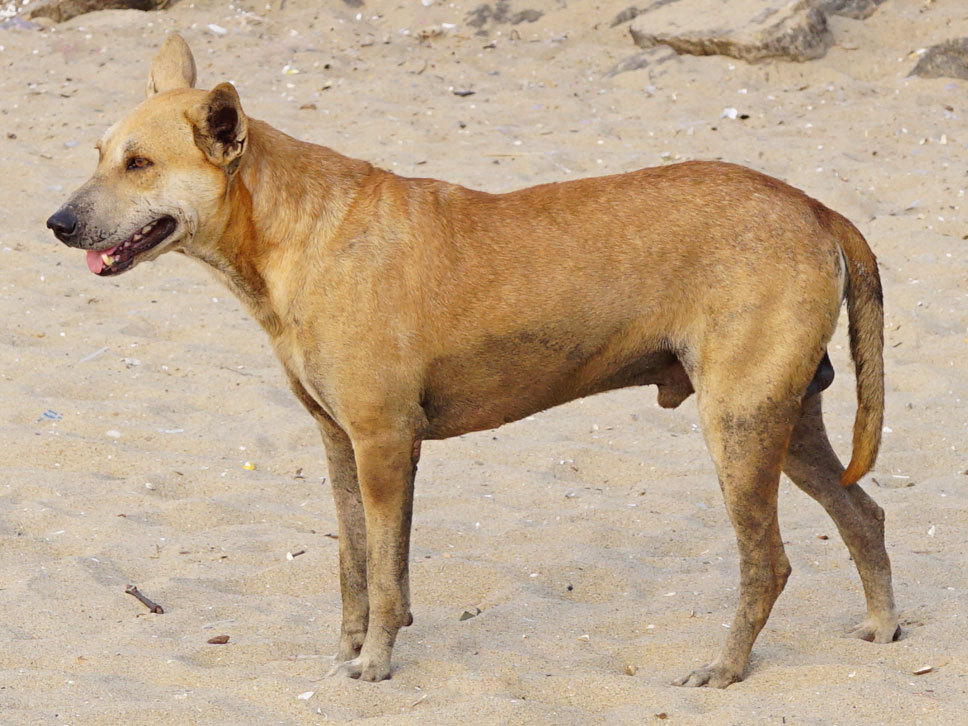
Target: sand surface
{"points": [[130, 405]]}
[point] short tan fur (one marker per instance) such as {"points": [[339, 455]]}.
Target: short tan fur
{"points": [[412, 309]]}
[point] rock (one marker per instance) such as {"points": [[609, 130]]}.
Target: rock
{"points": [[750, 30], [61, 10], [857, 9], [643, 59], [945, 60], [18, 23], [469, 613], [499, 14], [632, 12]]}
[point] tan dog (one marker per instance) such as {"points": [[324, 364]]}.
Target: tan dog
{"points": [[412, 309]]}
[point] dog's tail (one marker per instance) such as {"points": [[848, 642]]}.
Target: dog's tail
{"points": [[865, 313]]}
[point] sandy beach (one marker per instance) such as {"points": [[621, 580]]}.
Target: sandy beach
{"points": [[149, 437]]}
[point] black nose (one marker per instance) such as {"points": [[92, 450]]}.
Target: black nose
{"points": [[63, 223]]}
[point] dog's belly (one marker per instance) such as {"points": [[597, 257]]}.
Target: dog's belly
{"points": [[510, 378]]}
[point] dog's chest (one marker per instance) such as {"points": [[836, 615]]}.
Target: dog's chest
{"points": [[301, 368]]}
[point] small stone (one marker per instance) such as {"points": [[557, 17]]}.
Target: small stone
{"points": [[945, 60], [922, 670], [218, 640], [631, 670], [469, 613], [249, 466], [630, 13], [649, 58], [856, 9]]}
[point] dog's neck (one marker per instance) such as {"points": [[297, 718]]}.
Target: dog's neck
{"points": [[286, 201]]}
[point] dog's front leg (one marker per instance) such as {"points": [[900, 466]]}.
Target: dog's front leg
{"points": [[352, 526], [386, 464], [352, 539]]}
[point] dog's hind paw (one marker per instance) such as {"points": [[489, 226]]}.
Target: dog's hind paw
{"points": [[361, 668], [877, 631], [712, 675]]}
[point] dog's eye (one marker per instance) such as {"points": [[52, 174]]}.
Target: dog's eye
{"points": [[138, 162]]}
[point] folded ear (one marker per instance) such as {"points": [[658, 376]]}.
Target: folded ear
{"points": [[173, 67], [220, 126]]}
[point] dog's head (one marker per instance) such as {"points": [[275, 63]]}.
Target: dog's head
{"points": [[163, 172]]}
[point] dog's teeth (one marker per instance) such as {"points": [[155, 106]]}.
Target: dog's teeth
{"points": [[107, 259], [136, 237], [147, 228]]}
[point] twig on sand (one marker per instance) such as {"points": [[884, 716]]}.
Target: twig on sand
{"points": [[152, 606]]}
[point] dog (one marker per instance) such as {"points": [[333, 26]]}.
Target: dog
{"points": [[411, 309]]}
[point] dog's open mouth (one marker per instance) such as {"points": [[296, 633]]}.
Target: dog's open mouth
{"points": [[121, 257]]}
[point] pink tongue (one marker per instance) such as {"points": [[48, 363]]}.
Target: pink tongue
{"points": [[94, 262]]}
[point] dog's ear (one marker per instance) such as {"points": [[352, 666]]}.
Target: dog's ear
{"points": [[220, 126], [173, 67]]}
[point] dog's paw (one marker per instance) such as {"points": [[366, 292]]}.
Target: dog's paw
{"points": [[712, 675], [875, 630], [350, 645], [362, 668]]}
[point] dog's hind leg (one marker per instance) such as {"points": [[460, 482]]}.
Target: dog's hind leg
{"points": [[814, 467], [747, 431]]}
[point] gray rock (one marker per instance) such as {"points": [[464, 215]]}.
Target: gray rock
{"points": [[857, 9], [61, 10], [632, 12], [643, 59], [500, 13], [750, 30], [945, 60]]}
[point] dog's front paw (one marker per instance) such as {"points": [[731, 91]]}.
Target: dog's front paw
{"points": [[712, 675], [875, 630], [362, 668], [350, 645]]}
